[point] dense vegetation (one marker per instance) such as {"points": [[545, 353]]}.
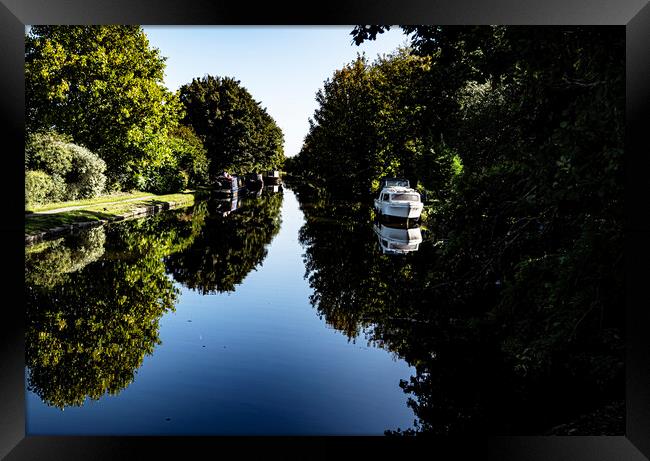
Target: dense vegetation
{"points": [[517, 135], [370, 123], [239, 135], [101, 89]]}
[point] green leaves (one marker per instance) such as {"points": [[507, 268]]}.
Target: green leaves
{"points": [[375, 119], [99, 84], [238, 134]]}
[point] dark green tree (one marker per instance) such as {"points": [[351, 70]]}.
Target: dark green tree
{"points": [[374, 120], [239, 135]]}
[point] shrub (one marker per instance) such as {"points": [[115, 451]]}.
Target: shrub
{"points": [[48, 152], [86, 178], [42, 188], [167, 179], [74, 172]]}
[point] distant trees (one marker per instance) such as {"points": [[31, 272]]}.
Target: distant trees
{"points": [[371, 123], [238, 134]]}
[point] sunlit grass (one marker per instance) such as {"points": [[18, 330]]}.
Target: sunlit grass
{"points": [[118, 196], [40, 222]]}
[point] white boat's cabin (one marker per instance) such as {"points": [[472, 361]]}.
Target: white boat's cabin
{"points": [[397, 190], [397, 199]]}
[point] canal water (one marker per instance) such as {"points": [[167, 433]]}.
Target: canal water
{"points": [[255, 316]]}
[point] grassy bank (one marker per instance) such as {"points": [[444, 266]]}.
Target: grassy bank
{"points": [[106, 208], [117, 197]]}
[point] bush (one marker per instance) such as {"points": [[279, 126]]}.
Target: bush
{"points": [[48, 152], [73, 171], [167, 179], [86, 179], [191, 154], [42, 188]]}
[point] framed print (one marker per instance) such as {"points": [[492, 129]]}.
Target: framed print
{"points": [[281, 230]]}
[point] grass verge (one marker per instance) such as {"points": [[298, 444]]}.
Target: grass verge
{"points": [[36, 223], [117, 197]]}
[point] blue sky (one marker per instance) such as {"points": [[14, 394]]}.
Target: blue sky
{"points": [[281, 66]]}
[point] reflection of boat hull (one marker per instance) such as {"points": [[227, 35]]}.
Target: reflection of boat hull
{"points": [[407, 210], [273, 188], [254, 182], [398, 239], [227, 205]]}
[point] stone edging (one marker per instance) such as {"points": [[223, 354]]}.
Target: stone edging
{"points": [[70, 228]]}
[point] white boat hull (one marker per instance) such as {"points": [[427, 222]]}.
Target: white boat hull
{"points": [[407, 210]]}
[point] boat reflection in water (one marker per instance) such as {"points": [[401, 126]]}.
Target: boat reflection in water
{"points": [[225, 206], [274, 188], [397, 238]]}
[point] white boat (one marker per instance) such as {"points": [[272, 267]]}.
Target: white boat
{"points": [[394, 239], [396, 198]]}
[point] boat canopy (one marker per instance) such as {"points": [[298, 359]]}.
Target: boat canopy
{"points": [[390, 182]]}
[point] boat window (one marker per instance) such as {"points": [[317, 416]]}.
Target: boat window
{"points": [[407, 197], [404, 246], [384, 197]]}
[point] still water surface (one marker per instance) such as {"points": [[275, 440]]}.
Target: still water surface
{"points": [[208, 320]]}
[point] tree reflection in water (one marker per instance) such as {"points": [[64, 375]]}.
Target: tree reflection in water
{"points": [[464, 382], [94, 301], [233, 242]]}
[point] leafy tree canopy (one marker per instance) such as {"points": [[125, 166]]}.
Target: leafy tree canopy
{"points": [[102, 85], [239, 135]]}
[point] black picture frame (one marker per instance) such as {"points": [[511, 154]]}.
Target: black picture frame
{"points": [[634, 15]]}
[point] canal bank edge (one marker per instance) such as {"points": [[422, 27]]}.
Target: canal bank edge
{"points": [[140, 211]]}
